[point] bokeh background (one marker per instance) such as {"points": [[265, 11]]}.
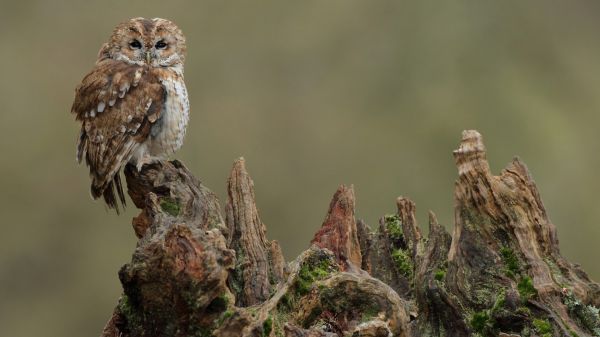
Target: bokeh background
{"points": [[313, 94]]}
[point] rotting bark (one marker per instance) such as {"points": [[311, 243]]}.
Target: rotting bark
{"points": [[499, 274]]}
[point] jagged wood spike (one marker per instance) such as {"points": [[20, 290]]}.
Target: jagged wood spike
{"points": [[260, 261], [338, 232], [410, 229], [438, 312], [503, 238]]}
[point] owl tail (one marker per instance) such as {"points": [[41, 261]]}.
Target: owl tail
{"points": [[107, 190]]}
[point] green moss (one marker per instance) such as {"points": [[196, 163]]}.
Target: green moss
{"points": [[124, 306], [586, 315], [440, 274], [222, 301], [510, 261], [543, 327], [338, 300], [287, 303], [170, 206], [526, 289], [305, 281], [312, 271], [226, 314], [369, 313], [403, 262], [267, 326], [483, 295], [393, 224], [525, 311], [236, 277], [279, 320], [500, 301], [317, 266], [480, 322], [218, 304], [130, 313], [219, 310], [485, 322]]}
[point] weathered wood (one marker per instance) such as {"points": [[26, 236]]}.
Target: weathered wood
{"points": [[175, 284], [439, 313], [499, 274], [170, 188], [503, 241], [260, 262], [411, 233], [339, 233]]}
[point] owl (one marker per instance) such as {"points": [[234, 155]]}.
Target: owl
{"points": [[133, 106]]}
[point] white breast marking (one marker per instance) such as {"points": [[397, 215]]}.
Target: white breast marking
{"points": [[174, 117]]}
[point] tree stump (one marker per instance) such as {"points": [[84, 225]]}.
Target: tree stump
{"points": [[500, 273]]}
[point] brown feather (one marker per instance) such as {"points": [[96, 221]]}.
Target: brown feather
{"points": [[110, 135]]}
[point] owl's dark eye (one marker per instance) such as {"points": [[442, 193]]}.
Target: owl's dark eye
{"points": [[160, 45], [135, 44]]}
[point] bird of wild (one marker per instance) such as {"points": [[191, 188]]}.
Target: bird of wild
{"points": [[133, 105]]}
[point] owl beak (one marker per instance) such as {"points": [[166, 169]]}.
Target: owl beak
{"points": [[148, 57]]}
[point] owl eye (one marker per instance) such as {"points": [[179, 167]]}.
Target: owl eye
{"points": [[135, 44], [160, 45]]}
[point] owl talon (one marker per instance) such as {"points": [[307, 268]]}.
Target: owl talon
{"points": [[142, 162]]}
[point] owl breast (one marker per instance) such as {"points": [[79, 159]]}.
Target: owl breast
{"points": [[167, 134]]}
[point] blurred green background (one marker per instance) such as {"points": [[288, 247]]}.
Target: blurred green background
{"points": [[313, 94]]}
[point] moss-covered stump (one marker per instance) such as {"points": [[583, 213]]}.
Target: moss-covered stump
{"points": [[319, 299], [176, 282], [499, 274], [504, 243]]}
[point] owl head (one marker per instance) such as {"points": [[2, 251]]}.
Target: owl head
{"points": [[153, 42]]}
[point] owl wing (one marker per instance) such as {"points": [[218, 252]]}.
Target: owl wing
{"points": [[117, 103]]}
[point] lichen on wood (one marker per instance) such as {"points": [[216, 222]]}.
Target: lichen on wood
{"points": [[500, 273]]}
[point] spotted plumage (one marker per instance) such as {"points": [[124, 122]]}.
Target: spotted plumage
{"points": [[133, 105]]}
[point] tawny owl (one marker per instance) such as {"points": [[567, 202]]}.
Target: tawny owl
{"points": [[133, 105]]}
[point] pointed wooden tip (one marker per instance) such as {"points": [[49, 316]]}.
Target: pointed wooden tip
{"points": [[471, 141], [433, 221], [342, 203], [406, 207], [338, 232], [262, 263], [239, 178], [239, 165], [407, 211], [435, 229], [470, 155]]}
